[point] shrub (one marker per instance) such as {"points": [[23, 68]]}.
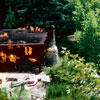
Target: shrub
{"points": [[4, 95], [20, 93], [58, 98], [56, 90], [82, 80], [86, 17]]}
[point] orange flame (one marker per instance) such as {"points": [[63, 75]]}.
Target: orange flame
{"points": [[27, 26], [13, 58], [19, 28], [41, 30], [32, 59], [1, 35], [10, 47], [36, 28], [5, 34], [3, 56], [32, 28], [28, 50]]}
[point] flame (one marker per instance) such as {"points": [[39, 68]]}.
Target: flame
{"points": [[41, 30], [19, 28], [3, 56], [13, 58], [10, 47], [32, 28], [1, 35], [5, 34], [28, 50], [27, 26], [37, 28], [32, 59]]}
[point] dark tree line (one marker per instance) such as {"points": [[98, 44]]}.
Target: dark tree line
{"points": [[15, 13]]}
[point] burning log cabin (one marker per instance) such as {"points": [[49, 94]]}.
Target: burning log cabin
{"points": [[23, 49]]}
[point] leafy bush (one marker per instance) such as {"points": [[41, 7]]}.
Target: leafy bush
{"points": [[58, 98], [56, 90], [82, 80], [19, 93], [86, 17], [4, 95], [89, 41]]}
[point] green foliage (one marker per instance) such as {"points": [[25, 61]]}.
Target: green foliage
{"points": [[40, 12], [10, 21], [89, 41], [56, 90], [20, 94], [81, 10], [87, 20], [58, 98], [82, 80], [4, 95]]}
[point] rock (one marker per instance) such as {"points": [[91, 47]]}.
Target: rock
{"points": [[37, 70], [51, 56]]}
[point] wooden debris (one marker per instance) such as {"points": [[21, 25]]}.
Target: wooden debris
{"points": [[11, 79], [0, 81]]}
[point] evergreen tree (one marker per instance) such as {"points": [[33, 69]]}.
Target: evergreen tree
{"points": [[10, 21]]}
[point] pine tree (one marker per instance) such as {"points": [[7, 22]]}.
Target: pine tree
{"points": [[10, 21]]}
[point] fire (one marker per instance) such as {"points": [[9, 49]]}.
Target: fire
{"points": [[1, 35], [41, 30], [3, 57], [4, 35], [13, 58], [19, 28], [32, 28], [10, 47], [32, 59], [36, 29], [27, 26], [28, 50]]}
